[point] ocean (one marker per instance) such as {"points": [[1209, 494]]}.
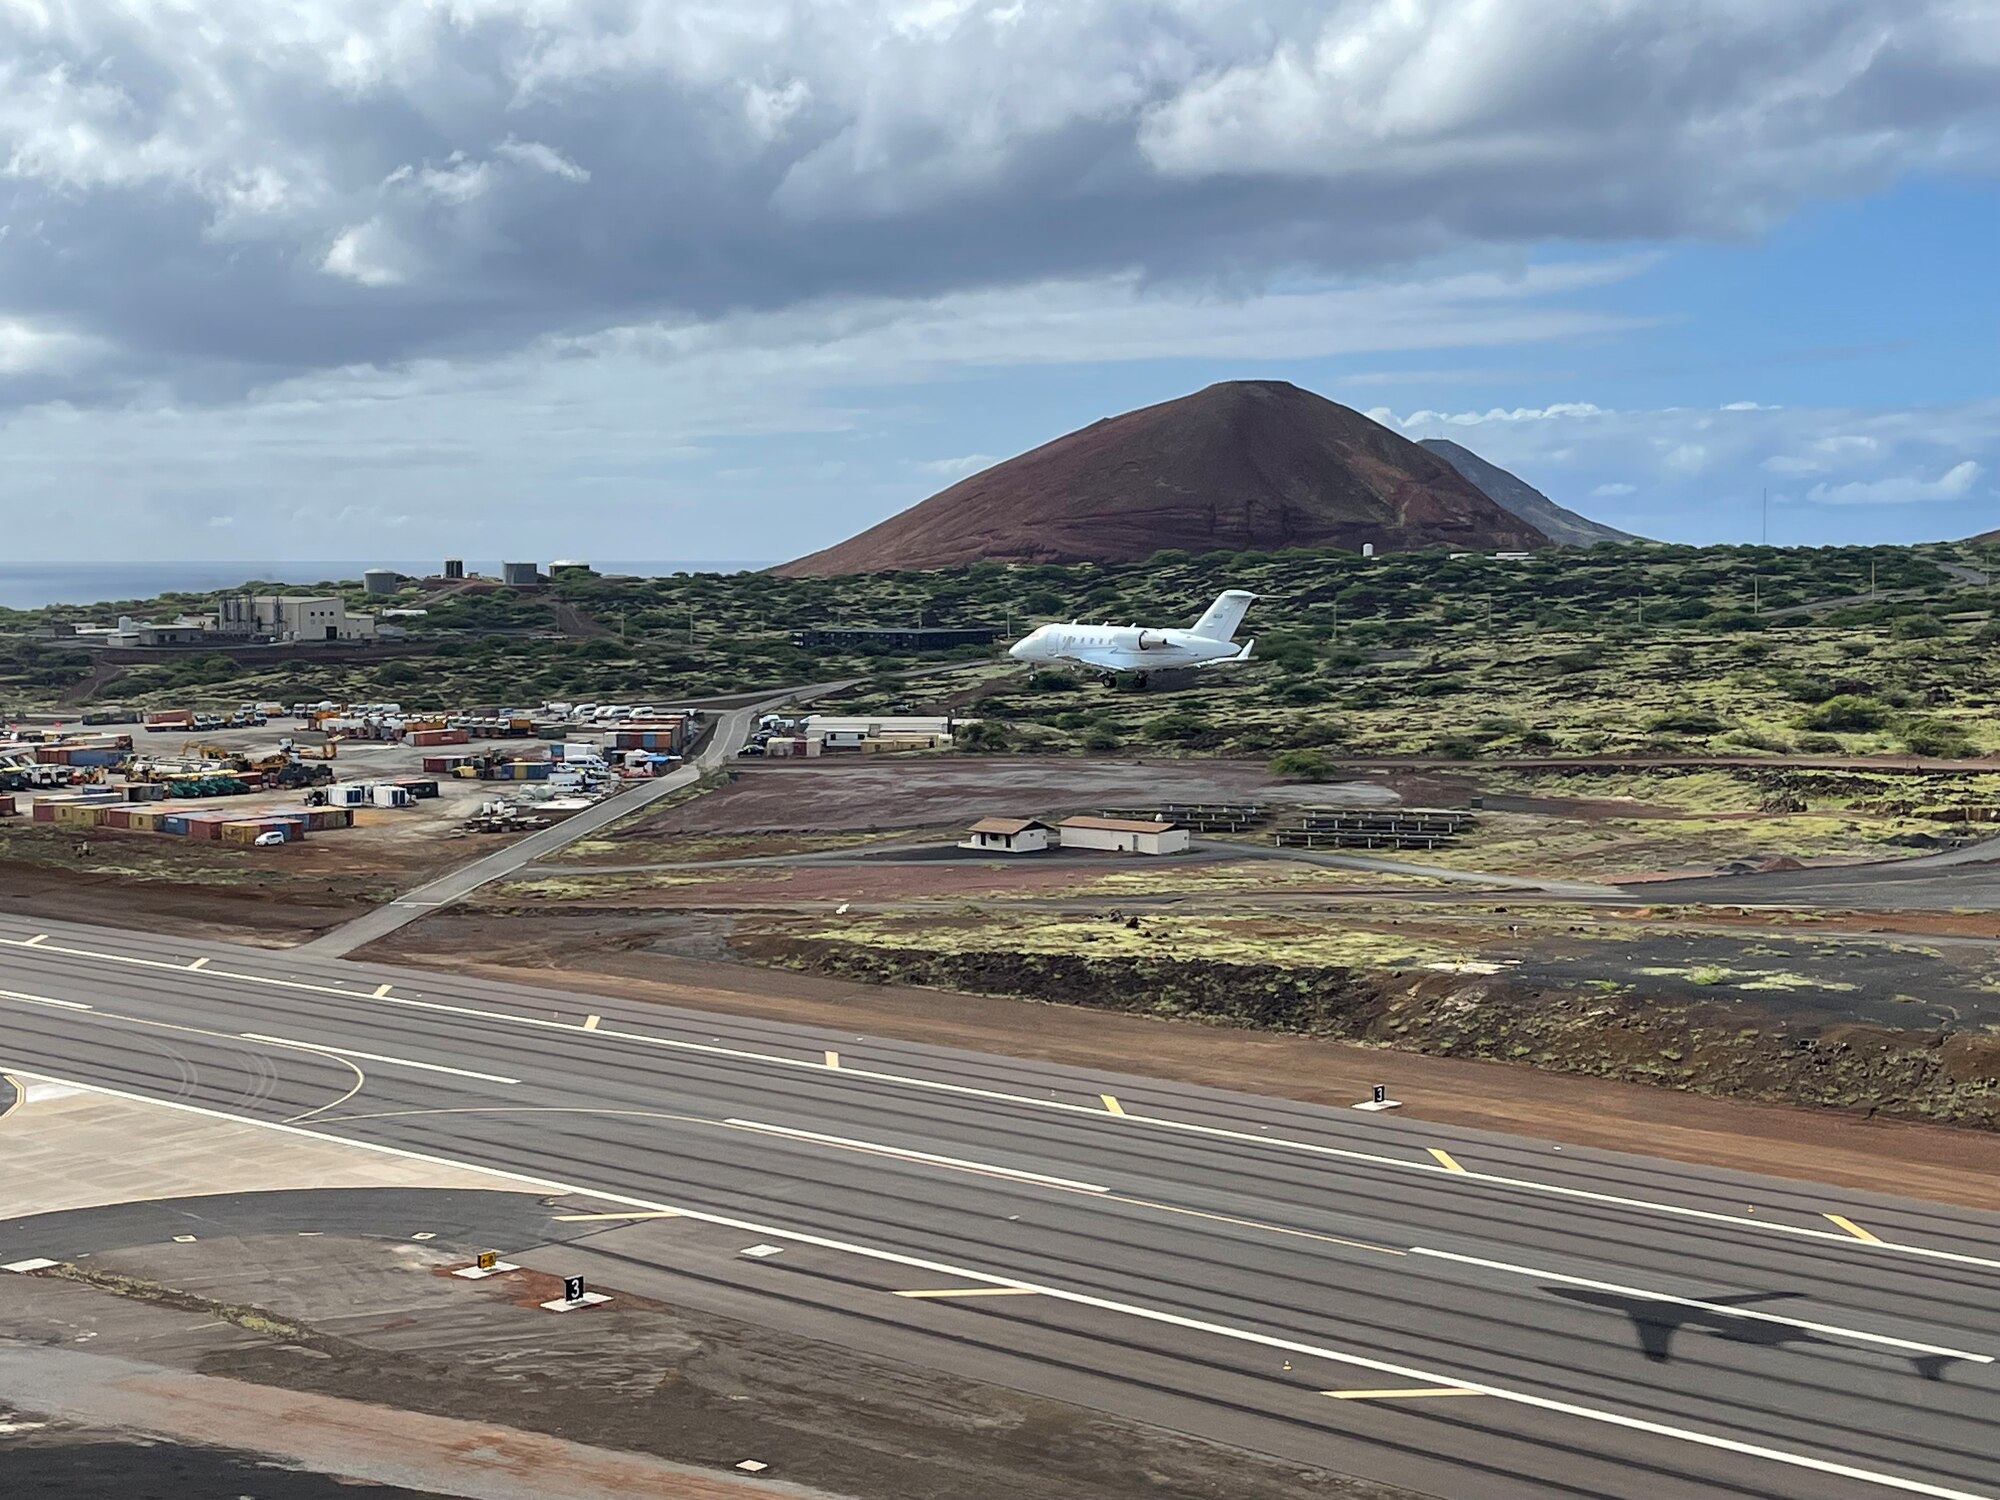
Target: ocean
{"points": [[37, 585]]}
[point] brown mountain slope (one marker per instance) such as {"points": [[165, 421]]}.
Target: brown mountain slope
{"points": [[1245, 465]]}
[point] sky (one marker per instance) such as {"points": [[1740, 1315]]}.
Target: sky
{"points": [[675, 279]]}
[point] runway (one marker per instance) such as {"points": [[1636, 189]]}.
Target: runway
{"points": [[1465, 1315]]}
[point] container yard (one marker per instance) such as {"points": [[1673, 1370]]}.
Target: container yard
{"points": [[263, 778]]}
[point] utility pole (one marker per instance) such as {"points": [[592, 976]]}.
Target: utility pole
{"points": [[690, 622]]}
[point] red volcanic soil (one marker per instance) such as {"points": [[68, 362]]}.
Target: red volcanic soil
{"points": [[1245, 465]]}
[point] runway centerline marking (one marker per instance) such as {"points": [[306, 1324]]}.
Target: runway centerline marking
{"points": [[975, 1291], [1525, 1184], [653, 1213], [904, 1153], [45, 1000], [1841, 1221], [1405, 1393], [374, 1057], [1444, 1159], [1691, 1436], [1854, 1335]]}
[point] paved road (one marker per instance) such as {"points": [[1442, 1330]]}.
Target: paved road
{"points": [[731, 731], [1965, 879], [1613, 1326]]}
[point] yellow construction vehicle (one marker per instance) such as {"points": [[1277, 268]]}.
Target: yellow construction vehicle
{"points": [[203, 750]]}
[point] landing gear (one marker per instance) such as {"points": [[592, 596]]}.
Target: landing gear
{"points": [[1143, 679], [1109, 679]]}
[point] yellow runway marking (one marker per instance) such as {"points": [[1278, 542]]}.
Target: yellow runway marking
{"points": [[975, 1291], [382, 990], [591, 1023], [600, 1218], [1444, 1159], [20, 1095], [832, 1058], [199, 963], [1111, 1104], [1400, 1395], [1840, 1222]]}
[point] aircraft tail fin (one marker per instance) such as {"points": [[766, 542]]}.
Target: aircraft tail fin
{"points": [[1220, 619]]}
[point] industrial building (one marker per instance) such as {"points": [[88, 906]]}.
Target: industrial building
{"points": [[132, 632], [1122, 835], [381, 580], [896, 638], [522, 575], [290, 617], [878, 732]]}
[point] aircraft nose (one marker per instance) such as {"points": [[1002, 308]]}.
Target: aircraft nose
{"points": [[1019, 650]]}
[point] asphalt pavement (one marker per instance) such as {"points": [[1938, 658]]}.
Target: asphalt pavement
{"points": [[731, 732], [1468, 1315]]}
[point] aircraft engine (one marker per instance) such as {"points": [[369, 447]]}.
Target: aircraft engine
{"points": [[1141, 640]]}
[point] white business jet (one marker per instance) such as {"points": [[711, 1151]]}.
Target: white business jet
{"points": [[1142, 649]]}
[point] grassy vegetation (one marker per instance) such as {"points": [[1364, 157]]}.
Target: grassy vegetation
{"points": [[1221, 939], [1651, 649]]}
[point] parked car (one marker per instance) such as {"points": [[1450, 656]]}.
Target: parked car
{"points": [[269, 836]]}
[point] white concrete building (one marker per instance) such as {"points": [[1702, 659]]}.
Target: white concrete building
{"points": [[291, 617], [848, 732], [1123, 835], [1007, 836]]}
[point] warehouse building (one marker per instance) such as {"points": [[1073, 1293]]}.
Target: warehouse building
{"points": [[1123, 835]]}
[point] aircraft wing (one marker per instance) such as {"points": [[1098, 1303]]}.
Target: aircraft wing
{"points": [[1224, 661]]}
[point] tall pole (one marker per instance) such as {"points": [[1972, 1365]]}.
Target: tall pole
{"points": [[1767, 515]]}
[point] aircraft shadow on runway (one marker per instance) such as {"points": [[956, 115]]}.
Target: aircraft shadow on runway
{"points": [[1657, 1322]]}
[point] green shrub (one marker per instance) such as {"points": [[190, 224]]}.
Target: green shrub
{"points": [[1100, 740], [1917, 628], [1178, 727], [1849, 712], [1819, 744], [1938, 737], [1685, 721], [1302, 765], [985, 734]]}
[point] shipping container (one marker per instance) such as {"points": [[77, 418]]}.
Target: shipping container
{"points": [[391, 796]]}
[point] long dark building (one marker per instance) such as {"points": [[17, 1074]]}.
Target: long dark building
{"points": [[897, 637]]}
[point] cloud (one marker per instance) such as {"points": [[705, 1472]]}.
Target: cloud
{"points": [[1701, 472], [300, 187], [958, 468], [1901, 489], [366, 254]]}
